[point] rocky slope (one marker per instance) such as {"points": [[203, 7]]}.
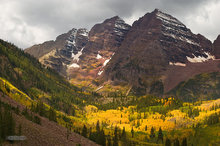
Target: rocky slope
{"points": [[104, 40], [61, 52]]}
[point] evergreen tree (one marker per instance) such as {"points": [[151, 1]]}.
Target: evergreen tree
{"points": [[109, 141], [160, 134], [132, 132], [146, 128], [176, 142], [184, 142], [152, 134], [19, 129], [102, 138], [11, 124], [73, 112], [115, 139], [168, 142], [52, 115], [138, 123], [98, 127], [84, 131], [123, 135], [68, 130]]}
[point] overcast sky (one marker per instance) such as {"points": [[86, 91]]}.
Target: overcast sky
{"points": [[29, 22]]}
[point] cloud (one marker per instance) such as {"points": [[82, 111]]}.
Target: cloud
{"points": [[27, 22]]}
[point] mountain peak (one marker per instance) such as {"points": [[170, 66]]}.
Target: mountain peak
{"points": [[216, 46], [113, 20]]}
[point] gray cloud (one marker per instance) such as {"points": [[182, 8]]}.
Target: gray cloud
{"points": [[27, 22]]}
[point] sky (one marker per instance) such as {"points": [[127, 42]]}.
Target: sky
{"points": [[29, 22]]}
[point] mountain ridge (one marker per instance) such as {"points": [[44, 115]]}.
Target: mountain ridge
{"points": [[138, 56]]}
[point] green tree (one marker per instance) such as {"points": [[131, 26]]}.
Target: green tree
{"points": [[146, 128], [132, 132], [115, 139], [68, 130], [123, 135], [160, 134], [152, 134], [176, 142], [102, 138], [11, 124], [52, 115], [184, 142], [84, 131], [98, 127], [168, 142], [37, 120], [109, 141], [138, 123], [19, 129]]}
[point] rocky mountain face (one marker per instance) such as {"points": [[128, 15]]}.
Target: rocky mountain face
{"points": [[141, 58], [81, 55], [60, 53], [104, 40], [155, 42], [216, 46]]}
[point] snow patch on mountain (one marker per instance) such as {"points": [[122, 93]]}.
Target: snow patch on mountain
{"points": [[74, 65], [177, 64], [72, 38], [175, 29], [100, 72], [181, 38], [98, 56], [121, 27], [169, 19], [106, 62], [197, 59], [99, 88], [76, 56], [84, 32]]}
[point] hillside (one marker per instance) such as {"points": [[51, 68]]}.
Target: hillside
{"points": [[38, 82], [204, 86], [42, 96], [46, 133]]}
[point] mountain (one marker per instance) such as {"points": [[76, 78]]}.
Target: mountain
{"points": [[152, 56], [79, 55], [216, 46], [59, 53], [155, 43]]}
